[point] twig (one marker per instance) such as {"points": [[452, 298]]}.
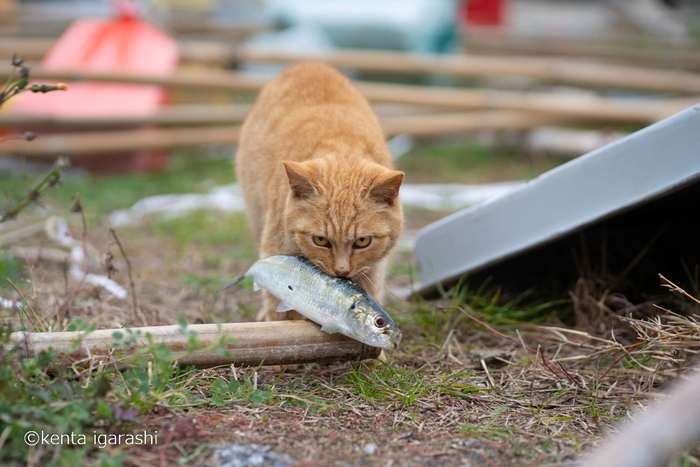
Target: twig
{"points": [[132, 284], [49, 181], [77, 207], [27, 136]]}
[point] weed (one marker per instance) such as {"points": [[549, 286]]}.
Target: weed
{"points": [[38, 395], [401, 385]]}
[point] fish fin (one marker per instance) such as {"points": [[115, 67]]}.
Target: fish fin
{"points": [[283, 306], [256, 287], [230, 284], [330, 328]]}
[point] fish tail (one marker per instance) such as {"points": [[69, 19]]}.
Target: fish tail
{"points": [[230, 284]]}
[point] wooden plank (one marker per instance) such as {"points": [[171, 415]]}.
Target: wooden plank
{"points": [[620, 176]]}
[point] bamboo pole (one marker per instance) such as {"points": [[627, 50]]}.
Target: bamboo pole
{"points": [[186, 114], [588, 107], [581, 106], [458, 122], [181, 114], [93, 144], [32, 48], [89, 144], [210, 79], [634, 51], [267, 343], [570, 71], [96, 143]]}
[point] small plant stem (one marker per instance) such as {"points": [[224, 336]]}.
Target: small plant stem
{"points": [[132, 284], [49, 181], [675, 288], [24, 299], [625, 353], [77, 208]]}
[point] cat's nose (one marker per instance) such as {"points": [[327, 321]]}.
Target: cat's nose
{"points": [[342, 272]]}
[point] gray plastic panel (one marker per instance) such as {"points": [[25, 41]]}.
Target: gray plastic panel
{"points": [[620, 176]]}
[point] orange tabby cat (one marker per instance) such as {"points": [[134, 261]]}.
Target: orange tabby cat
{"points": [[317, 178]]}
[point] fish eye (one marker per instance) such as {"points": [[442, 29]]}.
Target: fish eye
{"points": [[320, 241], [379, 322], [362, 242]]}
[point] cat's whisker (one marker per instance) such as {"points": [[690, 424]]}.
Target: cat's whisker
{"points": [[387, 287], [369, 275]]}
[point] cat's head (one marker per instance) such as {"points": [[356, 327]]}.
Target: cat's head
{"points": [[345, 218]]}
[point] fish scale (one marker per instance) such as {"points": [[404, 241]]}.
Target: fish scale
{"points": [[337, 304]]}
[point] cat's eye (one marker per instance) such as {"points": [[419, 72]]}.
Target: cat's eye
{"points": [[362, 242], [321, 241]]}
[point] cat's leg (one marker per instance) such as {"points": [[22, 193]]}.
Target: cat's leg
{"points": [[373, 280]]}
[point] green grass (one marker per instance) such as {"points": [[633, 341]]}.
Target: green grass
{"points": [[465, 161], [402, 386], [189, 171], [208, 228], [434, 323]]}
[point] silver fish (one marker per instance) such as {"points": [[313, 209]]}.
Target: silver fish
{"points": [[337, 304]]}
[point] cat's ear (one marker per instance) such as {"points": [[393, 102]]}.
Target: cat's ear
{"points": [[299, 180], [386, 187]]}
